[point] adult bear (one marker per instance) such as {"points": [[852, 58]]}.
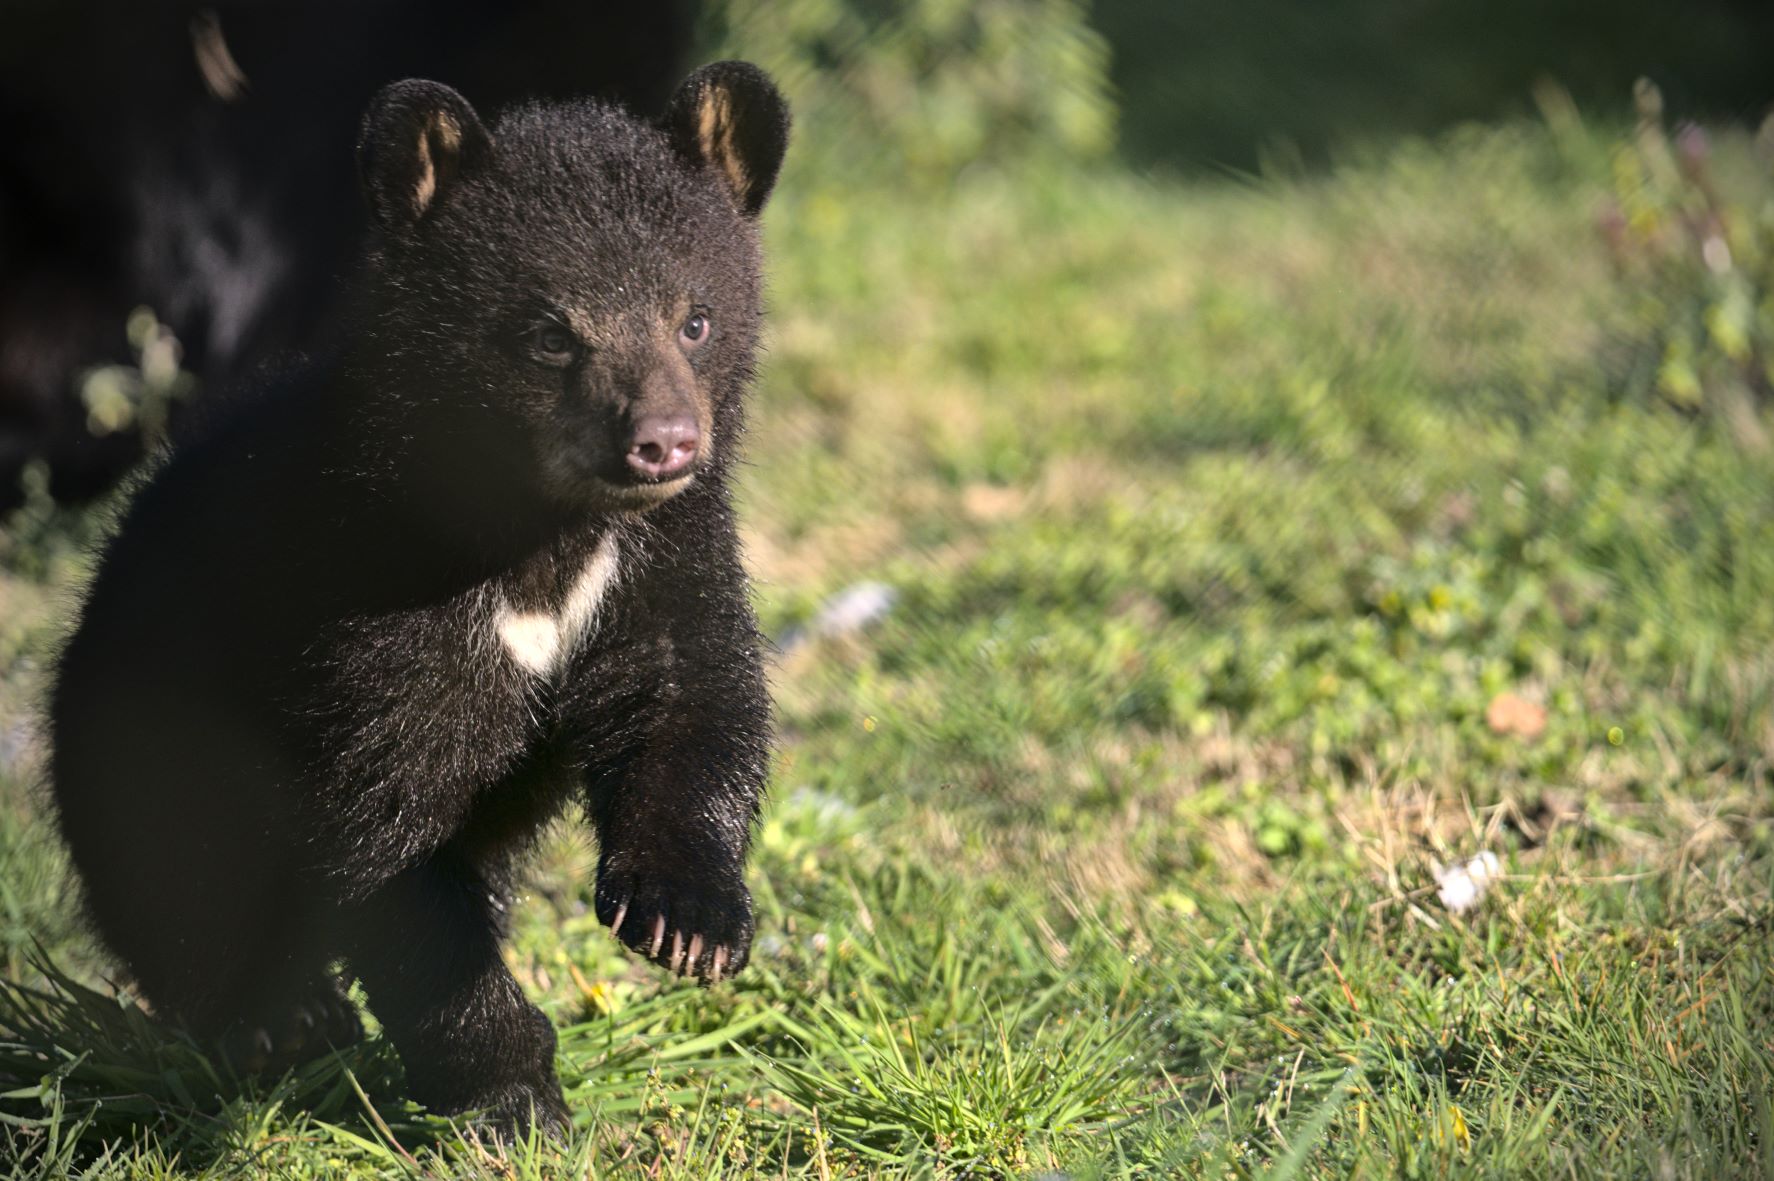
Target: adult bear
{"points": [[352, 647]]}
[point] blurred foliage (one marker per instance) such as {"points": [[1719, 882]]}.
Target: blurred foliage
{"points": [[1277, 81], [919, 89], [1696, 247], [138, 397], [916, 90]]}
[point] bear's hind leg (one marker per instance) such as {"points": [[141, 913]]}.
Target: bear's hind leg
{"points": [[291, 1025], [248, 980], [426, 946]]}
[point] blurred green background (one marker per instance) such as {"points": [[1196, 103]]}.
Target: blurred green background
{"points": [[1298, 483], [1229, 83], [1199, 85]]}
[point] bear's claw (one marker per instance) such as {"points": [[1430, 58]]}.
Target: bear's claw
{"points": [[702, 931]]}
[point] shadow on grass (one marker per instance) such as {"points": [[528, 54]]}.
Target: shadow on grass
{"points": [[89, 1079], [82, 1072]]}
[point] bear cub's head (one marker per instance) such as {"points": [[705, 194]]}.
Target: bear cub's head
{"points": [[571, 296]]}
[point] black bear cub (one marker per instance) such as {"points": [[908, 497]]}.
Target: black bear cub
{"points": [[357, 642]]}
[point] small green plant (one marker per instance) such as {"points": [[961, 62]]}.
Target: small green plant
{"points": [[138, 397], [1700, 257], [989, 1093]]}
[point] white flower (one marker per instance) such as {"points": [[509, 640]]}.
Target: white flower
{"points": [[1461, 886]]}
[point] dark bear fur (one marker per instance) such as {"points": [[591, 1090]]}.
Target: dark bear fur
{"points": [[314, 708], [194, 156]]}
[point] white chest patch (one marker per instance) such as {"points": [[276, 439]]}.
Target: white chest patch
{"points": [[540, 642]]}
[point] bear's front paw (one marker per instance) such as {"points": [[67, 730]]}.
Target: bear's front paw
{"points": [[695, 924]]}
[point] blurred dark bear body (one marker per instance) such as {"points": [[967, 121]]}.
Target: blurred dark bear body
{"points": [[357, 642]]}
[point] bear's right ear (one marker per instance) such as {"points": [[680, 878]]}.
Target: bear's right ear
{"points": [[417, 138]]}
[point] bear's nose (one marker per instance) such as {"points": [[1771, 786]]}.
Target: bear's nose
{"points": [[663, 446]]}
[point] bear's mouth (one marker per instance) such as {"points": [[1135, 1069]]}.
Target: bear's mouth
{"points": [[639, 497], [575, 477], [572, 481]]}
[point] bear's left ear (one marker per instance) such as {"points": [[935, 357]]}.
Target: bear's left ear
{"points": [[418, 137], [731, 118]]}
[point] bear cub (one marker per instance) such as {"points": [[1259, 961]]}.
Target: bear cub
{"points": [[356, 642]]}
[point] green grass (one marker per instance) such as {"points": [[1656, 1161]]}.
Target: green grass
{"points": [[1219, 517]]}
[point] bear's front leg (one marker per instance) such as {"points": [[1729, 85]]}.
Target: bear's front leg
{"points": [[674, 826], [676, 777]]}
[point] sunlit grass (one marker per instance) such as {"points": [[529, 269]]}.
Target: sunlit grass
{"points": [[1219, 518]]}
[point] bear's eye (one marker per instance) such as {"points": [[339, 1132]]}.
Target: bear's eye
{"points": [[695, 329], [554, 344]]}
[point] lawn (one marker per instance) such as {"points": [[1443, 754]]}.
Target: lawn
{"points": [[1261, 553]]}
